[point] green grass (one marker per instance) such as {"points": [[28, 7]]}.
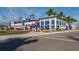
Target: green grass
{"points": [[46, 31], [11, 32]]}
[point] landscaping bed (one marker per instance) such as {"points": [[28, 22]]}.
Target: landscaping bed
{"points": [[11, 32]]}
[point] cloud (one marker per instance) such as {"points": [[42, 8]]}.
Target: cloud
{"points": [[12, 14], [1, 20], [15, 13], [76, 17]]}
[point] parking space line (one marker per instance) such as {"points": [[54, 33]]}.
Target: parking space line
{"points": [[58, 39]]}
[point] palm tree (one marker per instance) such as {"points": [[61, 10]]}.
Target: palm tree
{"points": [[61, 16], [74, 20], [69, 19], [50, 12]]}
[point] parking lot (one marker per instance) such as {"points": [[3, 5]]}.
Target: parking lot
{"points": [[53, 42]]}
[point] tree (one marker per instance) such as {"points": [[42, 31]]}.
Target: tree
{"points": [[74, 20], [68, 19], [61, 16], [50, 12]]}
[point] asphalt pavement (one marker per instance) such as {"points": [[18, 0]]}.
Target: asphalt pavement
{"points": [[63, 41], [54, 42]]}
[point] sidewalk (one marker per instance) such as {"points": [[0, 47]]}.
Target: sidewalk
{"points": [[61, 32], [4, 37], [43, 33]]}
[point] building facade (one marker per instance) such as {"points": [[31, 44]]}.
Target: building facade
{"points": [[48, 23], [52, 23]]}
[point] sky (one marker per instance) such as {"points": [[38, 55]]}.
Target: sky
{"points": [[13, 13]]}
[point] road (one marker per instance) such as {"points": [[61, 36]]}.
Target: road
{"points": [[53, 42]]}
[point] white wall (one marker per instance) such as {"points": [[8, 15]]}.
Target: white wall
{"points": [[55, 23]]}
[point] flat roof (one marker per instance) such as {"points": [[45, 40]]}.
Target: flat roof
{"points": [[48, 17]]}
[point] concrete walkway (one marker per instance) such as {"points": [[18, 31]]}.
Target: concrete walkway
{"points": [[48, 33], [61, 32], [4, 37]]}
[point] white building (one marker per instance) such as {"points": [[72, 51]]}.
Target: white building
{"points": [[75, 25], [48, 23], [52, 23]]}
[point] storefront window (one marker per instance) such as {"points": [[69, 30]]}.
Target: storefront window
{"points": [[53, 22], [57, 22], [46, 22], [42, 23], [46, 27], [62, 23]]}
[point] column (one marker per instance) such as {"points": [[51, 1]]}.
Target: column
{"points": [[50, 25], [55, 23], [40, 25], [44, 24]]}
